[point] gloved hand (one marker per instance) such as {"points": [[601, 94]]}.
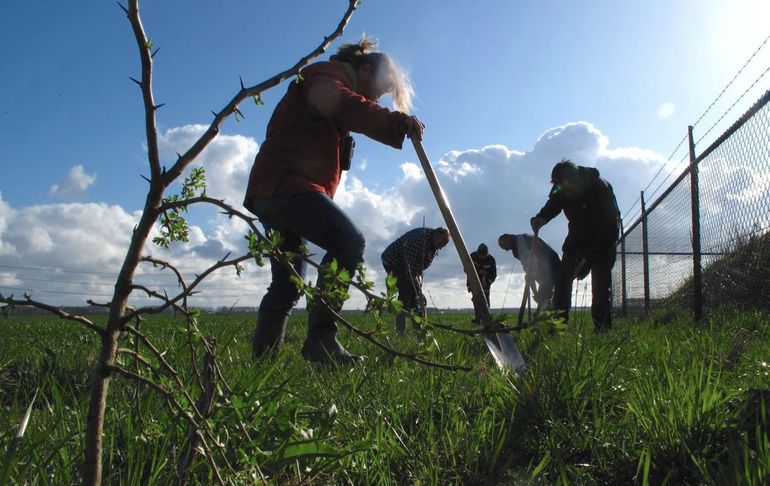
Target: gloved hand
{"points": [[536, 223], [412, 127]]}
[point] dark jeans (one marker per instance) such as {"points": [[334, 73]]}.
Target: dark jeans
{"points": [[600, 256], [408, 293], [311, 216]]}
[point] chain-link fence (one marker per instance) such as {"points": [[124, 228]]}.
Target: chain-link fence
{"points": [[704, 243]]}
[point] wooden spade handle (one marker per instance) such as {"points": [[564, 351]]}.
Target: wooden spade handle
{"points": [[479, 299]]}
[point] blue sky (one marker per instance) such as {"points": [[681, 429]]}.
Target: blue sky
{"points": [[497, 82]]}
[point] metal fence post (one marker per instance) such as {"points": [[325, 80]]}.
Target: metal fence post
{"points": [[645, 259], [697, 276], [623, 294]]}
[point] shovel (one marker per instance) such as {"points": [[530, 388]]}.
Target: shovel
{"points": [[500, 344]]}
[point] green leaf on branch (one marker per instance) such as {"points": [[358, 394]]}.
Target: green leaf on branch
{"points": [[395, 306], [173, 225], [276, 239], [361, 277], [194, 182]]}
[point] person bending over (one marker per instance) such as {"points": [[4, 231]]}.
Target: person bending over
{"points": [[540, 264], [589, 204], [406, 259], [297, 171]]}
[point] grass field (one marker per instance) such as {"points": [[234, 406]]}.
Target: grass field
{"points": [[646, 403]]}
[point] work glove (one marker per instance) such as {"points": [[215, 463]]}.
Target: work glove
{"points": [[536, 223], [412, 127]]}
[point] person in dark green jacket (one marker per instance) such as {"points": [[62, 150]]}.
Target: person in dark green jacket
{"points": [[589, 204]]}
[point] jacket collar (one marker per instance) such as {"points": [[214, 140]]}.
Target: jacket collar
{"points": [[350, 73]]}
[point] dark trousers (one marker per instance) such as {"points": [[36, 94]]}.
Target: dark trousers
{"points": [[600, 256], [408, 292], [311, 216]]}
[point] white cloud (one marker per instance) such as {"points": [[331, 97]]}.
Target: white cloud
{"points": [[492, 190], [411, 171], [6, 214], [64, 254], [666, 110], [227, 160], [74, 184]]}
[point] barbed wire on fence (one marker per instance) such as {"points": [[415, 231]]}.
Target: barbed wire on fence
{"points": [[722, 202], [633, 206]]}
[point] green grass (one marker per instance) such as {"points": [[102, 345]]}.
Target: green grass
{"points": [[644, 404]]}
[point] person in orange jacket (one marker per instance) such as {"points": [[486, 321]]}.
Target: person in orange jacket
{"points": [[297, 171]]}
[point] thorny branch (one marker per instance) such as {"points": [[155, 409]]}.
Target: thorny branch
{"points": [[181, 412], [185, 159], [231, 212], [169, 302], [141, 359], [145, 55], [120, 313], [164, 264], [183, 309], [11, 302], [368, 294], [175, 376]]}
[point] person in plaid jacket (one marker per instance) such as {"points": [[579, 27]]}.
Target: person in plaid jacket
{"points": [[407, 258]]}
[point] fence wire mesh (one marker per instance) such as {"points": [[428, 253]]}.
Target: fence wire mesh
{"points": [[733, 203]]}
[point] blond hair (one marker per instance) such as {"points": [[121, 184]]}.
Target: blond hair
{"points": [[386, 70]]}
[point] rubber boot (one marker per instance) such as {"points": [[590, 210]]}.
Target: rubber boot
{"points": [[268, 336], [321, 345]]}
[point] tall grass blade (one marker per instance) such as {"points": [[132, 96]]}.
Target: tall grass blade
{"points": [[10, 455]]}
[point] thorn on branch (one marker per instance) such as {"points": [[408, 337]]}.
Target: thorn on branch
{"points": [[160, 105], [152, 56], [215, 115], [143, 177], [134, 80], [97, 304], [122, 7], [242, 86]]}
